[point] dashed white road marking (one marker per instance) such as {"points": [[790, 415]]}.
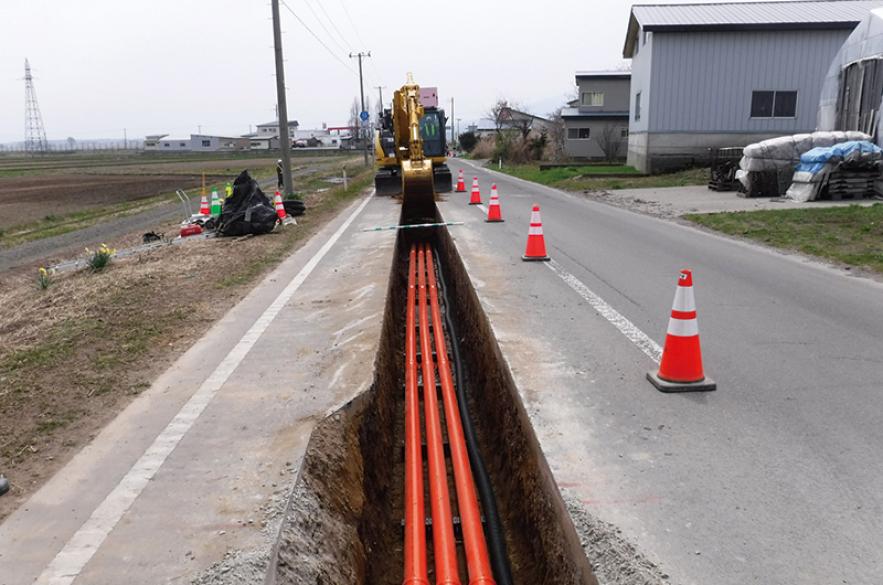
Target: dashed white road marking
{"points": [[82, 546], [626, 327]]}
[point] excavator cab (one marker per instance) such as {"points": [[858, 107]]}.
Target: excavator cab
{"points": [[389, 155]]}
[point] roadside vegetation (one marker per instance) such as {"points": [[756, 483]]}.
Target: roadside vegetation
{"points": [[850, 235], [584, 178], [80, 345]]}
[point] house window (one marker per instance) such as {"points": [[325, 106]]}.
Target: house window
{"points": [[774, 104], [206, 143], [579, 133], [637, 106], [182, 144], [593, 98], [166, 144], [624, 132]]}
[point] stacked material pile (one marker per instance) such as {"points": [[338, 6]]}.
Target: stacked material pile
{"points": [[767, 167], [846, 170]]}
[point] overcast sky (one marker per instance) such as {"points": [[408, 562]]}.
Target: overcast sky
{"points": [[171, 66]]}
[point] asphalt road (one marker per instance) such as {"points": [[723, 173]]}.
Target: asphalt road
{"points": [[776, 477]]}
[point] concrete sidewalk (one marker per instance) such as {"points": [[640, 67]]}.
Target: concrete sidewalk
{"points": [[677, 201], [224, 480]]}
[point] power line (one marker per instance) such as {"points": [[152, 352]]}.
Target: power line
{"points": [[359, 37], [334, 26], [319, 20], [309, 30]]}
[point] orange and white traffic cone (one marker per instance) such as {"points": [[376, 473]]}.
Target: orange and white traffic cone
{"points": [[475, 199], [681, 367], [536, 243], [204, 208], [461, 184], [494, 213], [280, 207]]}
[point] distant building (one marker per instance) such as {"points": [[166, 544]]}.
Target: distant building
{"points": [[163, 143], [263, 142], [195, 143], [272, 128], [510, 120], [208, 143], [728, 74], [598, 120]]}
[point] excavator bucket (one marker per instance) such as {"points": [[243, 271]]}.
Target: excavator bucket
{"points": [[388, 182]]}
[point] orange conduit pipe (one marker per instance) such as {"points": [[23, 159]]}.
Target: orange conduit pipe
{"points": [[477, 558], [415, 525], [444, 545]]}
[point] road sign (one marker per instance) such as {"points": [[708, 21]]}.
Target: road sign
{"points": [[364, 116]]}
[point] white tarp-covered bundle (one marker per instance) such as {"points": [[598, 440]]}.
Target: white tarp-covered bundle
{"points": [[784, 152], [852, 90], [817, 164]]}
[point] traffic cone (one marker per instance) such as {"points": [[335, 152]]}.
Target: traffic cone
{"points": [[494, 214], [475, 199], [216, 204], [280, 207], [536, 243], [203, 205], [681, 367], [461, 185]]}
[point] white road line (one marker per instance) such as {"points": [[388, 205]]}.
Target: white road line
{"points": [[482, 208], [82, 546], [626, 327]]}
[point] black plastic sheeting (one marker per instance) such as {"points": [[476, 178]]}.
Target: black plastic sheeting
{"points": [[247, 210]]}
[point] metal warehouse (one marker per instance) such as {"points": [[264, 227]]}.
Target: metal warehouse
{"points": [[717, 75]]}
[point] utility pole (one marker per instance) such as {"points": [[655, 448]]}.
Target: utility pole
{"points": [[361, 56], [453, 140], [282, 105], [379, 88]]}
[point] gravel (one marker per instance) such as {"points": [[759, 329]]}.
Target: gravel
{"points": [[615, 561]]}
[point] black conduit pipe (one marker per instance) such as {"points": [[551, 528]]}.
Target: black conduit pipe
{"points": [[493, 528]]}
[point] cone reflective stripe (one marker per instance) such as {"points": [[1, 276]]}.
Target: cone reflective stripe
{"points": [[536, 243], [461, 184], [680, 369], [280, 207], [475, 199], [203, 205], [216, 204], [494, 213]]}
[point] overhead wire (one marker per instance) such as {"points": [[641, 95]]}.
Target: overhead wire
{"points": [[322, 24], [334, 26], [315, 36]]}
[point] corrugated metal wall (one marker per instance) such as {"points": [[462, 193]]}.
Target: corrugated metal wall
{"points": [[702, 82]]}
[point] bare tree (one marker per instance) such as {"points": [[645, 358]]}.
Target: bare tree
{"points": [[611, 142], [498, 113], [557, 133]]}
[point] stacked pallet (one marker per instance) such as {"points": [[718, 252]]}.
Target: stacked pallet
{"points": [[852, 183]]}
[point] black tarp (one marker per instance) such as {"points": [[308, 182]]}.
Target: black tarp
{"points": [[247, 210]]}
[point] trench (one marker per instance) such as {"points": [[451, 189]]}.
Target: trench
{"points": [[345, 520]]}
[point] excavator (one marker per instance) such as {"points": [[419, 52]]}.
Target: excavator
{"points": [[410, 147]]}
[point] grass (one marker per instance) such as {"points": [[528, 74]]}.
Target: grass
{"points": [[850, 235], [575, 179]]}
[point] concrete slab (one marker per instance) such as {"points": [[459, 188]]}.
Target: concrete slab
{"points": [[677, 201], [218, 489]]}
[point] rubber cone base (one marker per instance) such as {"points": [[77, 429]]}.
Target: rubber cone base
{"points": [[705, 385], [494, 220], [535, 258], [475, 203]]}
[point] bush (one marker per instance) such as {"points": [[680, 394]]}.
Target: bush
{"points": [[467, 141]]}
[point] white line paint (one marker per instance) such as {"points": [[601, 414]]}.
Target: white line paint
{"points": [[482, 208], [626, 327], [82, 546]]}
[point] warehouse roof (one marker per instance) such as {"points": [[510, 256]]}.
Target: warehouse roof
{"points": [[781, 15]]}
